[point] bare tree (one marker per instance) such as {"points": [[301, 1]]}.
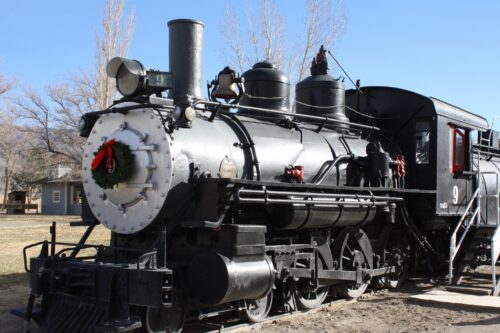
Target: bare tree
{"points": [[54, 120], [323, 27], [263, 39], [114, 41], [266, 36], [12, 149], [45, 129], [90, 90], [6, 84]]}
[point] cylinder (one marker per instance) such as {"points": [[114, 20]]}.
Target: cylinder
{"points": [[216, 279], [185, 57]]}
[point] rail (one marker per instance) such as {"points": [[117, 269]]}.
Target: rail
{"points": [[71, 246], [472, 215], [454, 246], [324, 119], [266, 196]]}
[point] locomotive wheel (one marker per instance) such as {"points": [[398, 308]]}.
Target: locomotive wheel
{"points": [[351, 249], [169, 320], [394, 249], [257, 309], [307, 298]]}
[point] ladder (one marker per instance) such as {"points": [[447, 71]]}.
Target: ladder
{"points": [[484, 233]]}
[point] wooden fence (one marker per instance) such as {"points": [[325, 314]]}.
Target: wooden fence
{"points": [[19, 206]]}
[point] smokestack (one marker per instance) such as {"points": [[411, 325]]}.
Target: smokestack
{"points": [[185, 52]]}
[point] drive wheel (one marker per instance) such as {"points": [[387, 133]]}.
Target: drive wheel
{"points": [[352, 250], [164, 320], [257, 309], [310, 299], [308, 296]]}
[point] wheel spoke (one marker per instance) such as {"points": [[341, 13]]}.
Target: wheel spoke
{"points": [[349, 249]]}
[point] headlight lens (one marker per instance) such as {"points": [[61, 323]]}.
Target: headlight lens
{"points": [[128, 83]]}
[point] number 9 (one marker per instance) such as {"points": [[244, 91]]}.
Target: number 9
{"points": [[455, 194]]}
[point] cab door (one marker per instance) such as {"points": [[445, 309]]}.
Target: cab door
{"points": [[455, 178]]}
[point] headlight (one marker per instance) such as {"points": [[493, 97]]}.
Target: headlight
{"points": [[86, 123], [127, 82], [189, 113], [132, 79], [81, 124], [129, 75]]}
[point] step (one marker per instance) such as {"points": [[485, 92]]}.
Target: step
{"points": [[485, 276], [469, 289], [479, 262], [482, 239], [480, 250], [487, 226]]}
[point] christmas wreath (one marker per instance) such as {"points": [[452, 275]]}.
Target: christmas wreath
{"points": [[112, 163]]}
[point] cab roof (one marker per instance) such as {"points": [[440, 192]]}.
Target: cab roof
{"points": [[400, 105]]}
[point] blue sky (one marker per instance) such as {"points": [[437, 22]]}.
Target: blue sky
{"points": [[446, 49]]}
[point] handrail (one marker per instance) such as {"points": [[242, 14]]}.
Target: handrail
{"points": [[457, 246], [476, 216], [454, 247]]}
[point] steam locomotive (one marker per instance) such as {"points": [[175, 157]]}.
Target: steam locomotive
{"points": [[242, 203]]}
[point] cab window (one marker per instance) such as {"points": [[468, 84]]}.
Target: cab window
{"points": [[459, 145], [422, 142]]}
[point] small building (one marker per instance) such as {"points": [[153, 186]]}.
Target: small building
{"points": [[61, 192], [16, 197]]}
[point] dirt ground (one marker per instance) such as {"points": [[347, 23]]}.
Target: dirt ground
{"points": [[385, 312], [379, 313]]}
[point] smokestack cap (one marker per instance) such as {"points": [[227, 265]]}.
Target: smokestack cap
{"points": [[185, 21]]}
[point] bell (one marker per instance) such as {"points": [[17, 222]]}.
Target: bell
{"points": [[226, 85]]}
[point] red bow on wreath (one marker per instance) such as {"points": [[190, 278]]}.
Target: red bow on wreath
{"points": [[106, 150]]}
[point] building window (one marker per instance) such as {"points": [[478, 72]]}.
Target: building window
{"points": [[56, 196], [459, 142], [422, 142], [76, 197]]}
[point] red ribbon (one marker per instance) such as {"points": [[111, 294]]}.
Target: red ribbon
{"points": [[105, 151], [297, 173], [400, 165]]}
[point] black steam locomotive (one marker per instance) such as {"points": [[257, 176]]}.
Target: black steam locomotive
{"points": [[242, 203]]}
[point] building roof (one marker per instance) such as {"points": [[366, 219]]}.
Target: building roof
{"points": [[73, 177]]}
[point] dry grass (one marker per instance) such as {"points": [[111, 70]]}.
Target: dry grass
{"points": [[17, 231]]}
